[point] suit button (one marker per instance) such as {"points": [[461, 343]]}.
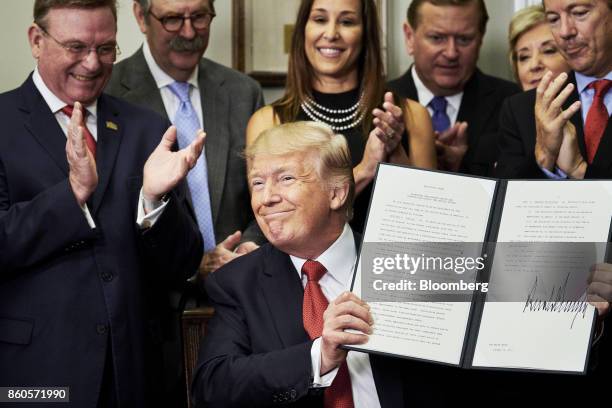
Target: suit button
{"points": [[293, 394], [107, 276], [102, 329]]}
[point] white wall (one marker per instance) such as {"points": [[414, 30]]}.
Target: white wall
{"points": [[16, 61]]}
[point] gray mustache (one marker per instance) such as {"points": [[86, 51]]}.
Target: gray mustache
{"points": [[180, 44]]}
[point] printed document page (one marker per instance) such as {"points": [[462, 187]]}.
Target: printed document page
{"points": [[415, 206], [550, 234]]}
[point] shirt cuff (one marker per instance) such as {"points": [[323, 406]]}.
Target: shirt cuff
{"points": [[557, 174], [155, 209], [318, 380], [88, 216]]}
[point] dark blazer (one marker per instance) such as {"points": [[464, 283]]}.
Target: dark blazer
{"points": [[517, 138], [229, 98], [67, 291], [482, 100], [256, 351]]}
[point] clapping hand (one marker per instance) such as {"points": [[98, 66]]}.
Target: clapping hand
{"points": [[389, 123], [165, 168]]}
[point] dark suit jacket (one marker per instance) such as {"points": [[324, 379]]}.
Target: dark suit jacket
{"points": [[229, 98], [256, 351], [482, 100], [517, 138], [67, 291]]}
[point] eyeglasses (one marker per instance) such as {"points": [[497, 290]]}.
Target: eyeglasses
{"points": [[107, 53], [174, 24]]}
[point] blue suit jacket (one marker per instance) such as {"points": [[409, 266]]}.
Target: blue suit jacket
{"points": [[67, 291]]}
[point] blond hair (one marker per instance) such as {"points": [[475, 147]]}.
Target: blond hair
{"points": [[522, 21], [332, 157]]}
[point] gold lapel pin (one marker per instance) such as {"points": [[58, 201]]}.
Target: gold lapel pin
{"points": [[111, 125]]}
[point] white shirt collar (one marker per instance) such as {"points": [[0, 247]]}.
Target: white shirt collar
{"points": [[425, 95], [335, 258], [162, 79], [582, 81], [55, 103]]}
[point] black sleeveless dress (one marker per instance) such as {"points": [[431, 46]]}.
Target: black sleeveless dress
{"points": [[356, 144]]}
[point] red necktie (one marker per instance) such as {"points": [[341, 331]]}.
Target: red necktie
{"points": [[89, 140], [597, 118], [339, 394]]}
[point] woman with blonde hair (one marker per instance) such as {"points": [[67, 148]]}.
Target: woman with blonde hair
{"points": [[335, 76], [533, 50]]}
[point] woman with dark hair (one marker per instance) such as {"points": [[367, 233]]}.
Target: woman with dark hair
{"points": [[335, 76]]}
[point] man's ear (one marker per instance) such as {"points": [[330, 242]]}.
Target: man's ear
{"points": [[34, 37], [338, 194], [408, 38], [139, 13]]}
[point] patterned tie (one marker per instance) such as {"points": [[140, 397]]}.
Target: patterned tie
{"points": [[339, 394], [439, 119], [89, 140], [187, 124], [597, 117]]}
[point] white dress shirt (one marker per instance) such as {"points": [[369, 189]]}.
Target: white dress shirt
{"points": [[91, 122], [163, 80], [425, 96], [339, 260], [586, 94]]}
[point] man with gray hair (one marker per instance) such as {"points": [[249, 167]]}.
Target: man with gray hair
{"points": [[169, 75]]}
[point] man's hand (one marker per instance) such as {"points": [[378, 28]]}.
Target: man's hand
{"points": [[550, 118], [225, 252], [451, 146], [599, 291], [347, 311], [83, 175], [570, 160], [164, 168], [389, 123]]}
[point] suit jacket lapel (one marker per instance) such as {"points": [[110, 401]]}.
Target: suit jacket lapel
{"points": [[42, 124], [472, 111], [407, 83], [216, 114], [141, 86], [109, 138], [284, 295], [577, 118]]}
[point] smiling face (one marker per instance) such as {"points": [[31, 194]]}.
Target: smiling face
{"points": [[296, 210], [333, 39], [536, 52], [177, 53], [72, 79], [445, 46], [583, 32]]}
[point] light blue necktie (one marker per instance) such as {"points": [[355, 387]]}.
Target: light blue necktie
{"points": [[187, 124], [439, 118]]}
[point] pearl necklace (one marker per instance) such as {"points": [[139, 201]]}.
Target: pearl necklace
{"points": [[310, 108]]}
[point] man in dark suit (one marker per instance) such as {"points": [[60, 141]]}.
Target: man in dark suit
{"points": [[87, 237], [223, 99], [274, 339], [444, 37], [559, 131], [564, 131]]}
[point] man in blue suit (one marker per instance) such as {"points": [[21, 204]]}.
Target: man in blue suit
{"points": [[93, 221]]}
